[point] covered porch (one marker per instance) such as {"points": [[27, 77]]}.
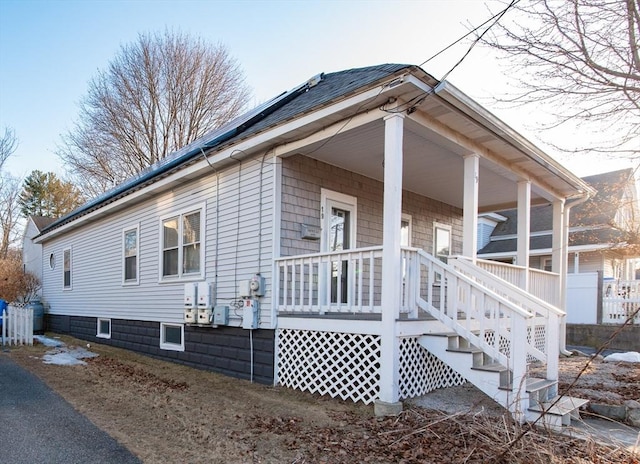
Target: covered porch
{"points": [[370, 300]]}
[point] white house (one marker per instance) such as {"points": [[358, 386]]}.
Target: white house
{"points": [[31, 251], [311, 242]]}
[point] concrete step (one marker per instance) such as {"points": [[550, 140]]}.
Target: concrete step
{"points": [[560, 413]]}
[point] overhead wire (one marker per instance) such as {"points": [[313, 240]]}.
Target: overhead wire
{"points": [[410, 105]]}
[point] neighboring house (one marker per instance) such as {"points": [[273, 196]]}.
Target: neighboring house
{"points": [[32, 252], [599, 231], [308, 244]]}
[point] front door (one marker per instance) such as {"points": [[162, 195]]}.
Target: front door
{"points": [[338, 227]]}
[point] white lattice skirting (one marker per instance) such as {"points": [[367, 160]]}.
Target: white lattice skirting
{"points": [[421, 372], [347, 365]]}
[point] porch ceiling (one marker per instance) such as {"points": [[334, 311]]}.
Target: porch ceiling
{"points": [[433, 165]]}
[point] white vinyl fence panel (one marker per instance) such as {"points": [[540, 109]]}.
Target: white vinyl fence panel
{"points": [[620, 300], [17, 326], [582, 298]]}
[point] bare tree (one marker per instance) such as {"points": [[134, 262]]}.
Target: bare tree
{"points": [[582, 57], [9, 192], [157, 95], [8, 144]]}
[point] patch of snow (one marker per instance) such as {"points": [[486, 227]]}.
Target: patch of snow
{"points": [[46, 341], [64, 356], [631, 356]]}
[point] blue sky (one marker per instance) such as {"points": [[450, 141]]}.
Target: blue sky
{"points": [[50, 49]]}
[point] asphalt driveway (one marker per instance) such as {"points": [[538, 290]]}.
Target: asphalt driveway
{"points": [[38, 426]]}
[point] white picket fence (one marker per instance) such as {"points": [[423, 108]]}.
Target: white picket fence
{"points": [[620, 301], [17, 326]]}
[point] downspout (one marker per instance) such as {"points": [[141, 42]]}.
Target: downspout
{"points": [[563, 284]]}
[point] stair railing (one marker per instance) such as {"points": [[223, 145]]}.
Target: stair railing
{"points": [[498, 326]]}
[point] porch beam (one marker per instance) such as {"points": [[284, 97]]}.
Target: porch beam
{"points": [[293, 147], [524, 229], [470, 207], [391, 259], [465, 142]]}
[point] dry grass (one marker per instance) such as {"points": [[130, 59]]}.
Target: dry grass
{"points": [[165, 412]]}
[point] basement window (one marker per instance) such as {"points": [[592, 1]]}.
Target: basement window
{"points": [[104, 328], [171, 337]]}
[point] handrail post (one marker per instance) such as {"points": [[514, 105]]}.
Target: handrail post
{"points": [[553, 342], [519, 362]]}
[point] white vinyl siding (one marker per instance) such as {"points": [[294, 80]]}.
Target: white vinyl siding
{"points": [[230, 249]]}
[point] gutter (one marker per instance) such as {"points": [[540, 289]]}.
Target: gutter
{"points": [[563, 276]]}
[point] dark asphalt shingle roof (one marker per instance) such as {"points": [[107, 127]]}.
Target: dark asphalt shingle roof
{"points": [[42, 221], [289, 105]]}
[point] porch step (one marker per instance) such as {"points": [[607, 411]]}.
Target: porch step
{"points": [[561, 413], [496, 380]]}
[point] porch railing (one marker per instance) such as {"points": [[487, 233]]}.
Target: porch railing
{"points": [[510, 326], [344, 282], [620, 301], [542, 284]]}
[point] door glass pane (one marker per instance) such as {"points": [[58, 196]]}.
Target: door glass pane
{"points": [[339, 230], [338, 241]]}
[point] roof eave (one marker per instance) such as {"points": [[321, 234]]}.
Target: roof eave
{"points": [[455, 97]]}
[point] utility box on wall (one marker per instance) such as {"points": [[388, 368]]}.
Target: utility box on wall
{"points": [[190, 310], [205, 312]]}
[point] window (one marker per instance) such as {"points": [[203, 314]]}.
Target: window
{"points": [[130, 258], [52, 261], [441, 241], [104, 328], [66, 269], [171, 337], [546, 264], [181, 248], [405, 230]]}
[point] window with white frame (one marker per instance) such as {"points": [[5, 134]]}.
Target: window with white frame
{"points": [[130, 255], [181, 246], [104, 328], [66, 269], [171, 336], [441, 241], [546, 265]]}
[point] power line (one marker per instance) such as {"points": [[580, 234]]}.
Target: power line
{"points": [[414, 102]]}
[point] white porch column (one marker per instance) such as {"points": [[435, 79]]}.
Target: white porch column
{"points": [[391, 266], [470, 213], [558, 250], [524, 228]]}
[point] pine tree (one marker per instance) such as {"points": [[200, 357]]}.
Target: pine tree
{"points": [[44, 194]]}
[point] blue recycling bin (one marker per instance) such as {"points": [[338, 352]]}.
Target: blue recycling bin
{"points": [[3, 306]]}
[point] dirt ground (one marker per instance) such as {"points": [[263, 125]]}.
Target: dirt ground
{"points": [[168, 413]]}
